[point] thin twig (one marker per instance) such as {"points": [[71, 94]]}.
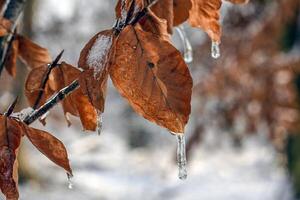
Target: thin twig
{"points": [[45, 80], [62, 94], [11, 108]]}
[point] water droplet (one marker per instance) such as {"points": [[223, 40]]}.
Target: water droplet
{"points": [[134, 47], [188, 50], [99, 122], [70, 184], [215, 50], [181, 157]]}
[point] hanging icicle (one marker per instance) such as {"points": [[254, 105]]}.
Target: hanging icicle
{"points": [[99, 122], [70, 184], [188, 50], [181, 157]]}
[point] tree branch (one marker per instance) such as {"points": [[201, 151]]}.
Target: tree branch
{"points": [[63, 93], [12, 13]]}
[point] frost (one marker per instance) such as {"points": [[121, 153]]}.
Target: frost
{"points": [[23, 113], [98, 53]]}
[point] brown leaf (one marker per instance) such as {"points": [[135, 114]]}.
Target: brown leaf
{"points": [[32, 54], [181, 11], [50, 146], [95, 60], [164, 10], [33, 86], [5, 26], [152, 23], [11, 60], [151, 74], [139, 5], [76, 104], [205, 14], [10, 137]]}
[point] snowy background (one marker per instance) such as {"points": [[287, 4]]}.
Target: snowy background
{"points": [[133, 159]]}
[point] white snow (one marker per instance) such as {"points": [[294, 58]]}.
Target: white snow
{"points": [[98, 54]]}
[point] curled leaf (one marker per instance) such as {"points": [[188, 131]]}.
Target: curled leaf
{"points": [[32, 54], [95, 60], [205, 14], [149, 72], [164, 10]]}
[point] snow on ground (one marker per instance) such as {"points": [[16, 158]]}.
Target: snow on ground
{"points": [[106, 168]]}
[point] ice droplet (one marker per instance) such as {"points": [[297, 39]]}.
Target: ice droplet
{"points": [[188, 50], [99, 122], [181, 157], [215, 50], [70, 184]]}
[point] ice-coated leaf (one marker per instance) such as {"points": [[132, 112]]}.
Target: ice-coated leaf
{"points": [[95, 60], [152, 75]]}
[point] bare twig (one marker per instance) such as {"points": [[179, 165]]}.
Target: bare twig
{"points": [[63, 93], [45, 80], [11, 108]]}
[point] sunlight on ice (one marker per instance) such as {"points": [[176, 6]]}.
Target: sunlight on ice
{"points": [[188, 50], [215, 50], [181, 157]]}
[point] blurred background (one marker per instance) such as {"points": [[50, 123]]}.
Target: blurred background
{"points": [[242, 139]]}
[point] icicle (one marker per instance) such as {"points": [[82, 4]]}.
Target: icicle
{"points": [[188, 50], [70, 184], [215, 50], [181, 157], [99, 122]]}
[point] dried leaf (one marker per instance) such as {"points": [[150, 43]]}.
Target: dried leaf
{"points": [[181, 11], [5, 26], [50, 146], [33, 86], [205, 14], [164, 10], [95, 60], [77, 100], [32, 54], [152, 23], [10, 137], [11, 60], [151, 74], [76, 104]]}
